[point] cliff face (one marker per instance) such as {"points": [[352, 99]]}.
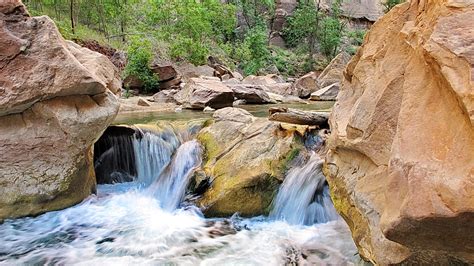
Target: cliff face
{"points": [[401, 159], [55, 100]]}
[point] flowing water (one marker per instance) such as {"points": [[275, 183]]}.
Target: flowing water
{"points": [[144, 222], [304, 198]]}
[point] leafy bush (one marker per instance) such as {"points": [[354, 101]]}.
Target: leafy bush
{"points": [[302, 26], [139, 57], [253, 52]]}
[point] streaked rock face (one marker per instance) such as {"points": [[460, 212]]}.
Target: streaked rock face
{"points": [[55, 101], [245, 157], [401, 160]]}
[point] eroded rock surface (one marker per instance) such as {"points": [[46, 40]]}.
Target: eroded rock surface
{"points": [[245, 157], [200, 92], [401, 165], [55, 101]]}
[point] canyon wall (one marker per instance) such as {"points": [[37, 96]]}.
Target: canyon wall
{"points": [[401, 158]]}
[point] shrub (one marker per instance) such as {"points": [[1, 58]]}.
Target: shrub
{"points": [[139, 57]]}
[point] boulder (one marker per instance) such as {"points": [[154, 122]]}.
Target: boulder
{"points": [[199, 93], [132, 82], [237, 76], [328, 93], [143, 102], [277, 98], [333, 72], [246, 158], [165, 96], [187, 71], [252, 94], [164, 72], [97, 64], [281, 88], [170, 84], [55, 102], [400, 163], [263, 80], [305, 85]]}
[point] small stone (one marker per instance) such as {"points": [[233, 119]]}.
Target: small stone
{"points": [[143, 102]]}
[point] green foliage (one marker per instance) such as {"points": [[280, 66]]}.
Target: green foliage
{"points": [[254, 11], [253, 52], [139, 57], [389, 4], [356, 38], [314, 28], [303, 24], [192, 28], [330, 36]]}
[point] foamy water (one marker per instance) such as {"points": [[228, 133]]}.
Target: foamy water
{"points": [[144, 223], [125, 228]]}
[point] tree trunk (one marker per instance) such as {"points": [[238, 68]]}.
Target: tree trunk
{"points": [[71, 2]]}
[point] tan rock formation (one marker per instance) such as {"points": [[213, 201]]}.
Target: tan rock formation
{"points": [[54, 103], [245, 158], [200, 92], [401, 160]]}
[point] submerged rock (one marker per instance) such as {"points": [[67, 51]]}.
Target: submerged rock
{"points": [[401, 165], [56, 101], [246, 158]]}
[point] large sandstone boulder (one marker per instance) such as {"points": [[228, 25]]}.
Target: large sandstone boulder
{"points": [[305, 85], [245, 158], [199, 93], [328, 93], [55, 101], [334, 71], [253, 94], [400, 164]]}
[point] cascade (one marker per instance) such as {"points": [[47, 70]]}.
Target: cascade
{"points": [[170, 187], [304, 198], [153, 153]]}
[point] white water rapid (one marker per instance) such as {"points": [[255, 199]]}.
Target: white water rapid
{"points": [[143, 222], [303, 198]]}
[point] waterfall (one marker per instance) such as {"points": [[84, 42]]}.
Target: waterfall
{"points": [[153, 153], [170, 187], [303, 198]]}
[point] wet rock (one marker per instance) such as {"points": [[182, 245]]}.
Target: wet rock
{"points": [[400, 163], [246, 157], [208, 109]]}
